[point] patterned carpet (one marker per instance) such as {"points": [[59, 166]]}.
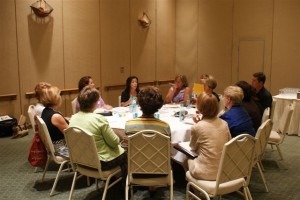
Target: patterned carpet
{"points": [[18, 180]]}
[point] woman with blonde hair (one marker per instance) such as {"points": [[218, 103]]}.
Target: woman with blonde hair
{"points": [[208, 137], [54, 120], [236, 116], [39, 107]]}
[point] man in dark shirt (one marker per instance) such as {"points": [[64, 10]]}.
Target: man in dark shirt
{"points": [[264, 97]]}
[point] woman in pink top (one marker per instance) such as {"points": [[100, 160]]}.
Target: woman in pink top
{"points": [[87, 80]]}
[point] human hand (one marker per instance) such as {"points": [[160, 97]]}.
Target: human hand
{"points": [[196, 118]]}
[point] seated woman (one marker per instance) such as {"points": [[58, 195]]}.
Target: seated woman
{"points": [[53, 119], [179, 91], [88, 81], [39, 107], [249, 104], [209, 83], [236, 116], [208, 137], [150, 100], [110, 153], [131, 90]]}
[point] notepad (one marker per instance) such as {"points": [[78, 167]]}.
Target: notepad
{"points": [[185, 148]]}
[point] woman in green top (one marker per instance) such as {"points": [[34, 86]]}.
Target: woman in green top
{"points": [[110, 153]]}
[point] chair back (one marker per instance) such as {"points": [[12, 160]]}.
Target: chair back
{"points": [[45, 136], [82, 150], [148, 153], [119, 101], [266, 115], [273, 108], [73, 104], [236, 160], [31, 113], [284, 120], [262, 137]]}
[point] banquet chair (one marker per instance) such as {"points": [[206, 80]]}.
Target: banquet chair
{"points": [[277, 136], [234, 168], [119, 101], [273, 107], [262, 137], [266, 115], [149, 162], [73, 103], [85, 159], [60, 160], [31, 114], [194, 196]]}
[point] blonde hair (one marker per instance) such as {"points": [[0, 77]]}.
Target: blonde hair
{"points": [[235, 93], [51, 97], [211, 82], [207, 105], [39, 87]]}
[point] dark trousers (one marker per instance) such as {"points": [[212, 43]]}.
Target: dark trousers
{"points": [[119, 161]]}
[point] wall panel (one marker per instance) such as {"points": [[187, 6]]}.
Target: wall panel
{"points": [[40, 48], [215, 41], [165, 42], [253, 20], [115, 46], [286, 41], [81, 39], [9, 76], [187, 39], [143, 40]]}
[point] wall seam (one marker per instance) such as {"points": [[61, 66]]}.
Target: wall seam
{"points": [[100, 53], [232, 39], [271, 64], [63, 46], [18, 56], [130, 42], [156, 22]]}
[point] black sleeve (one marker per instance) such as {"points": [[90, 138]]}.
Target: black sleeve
{"points": [[124, 96]]}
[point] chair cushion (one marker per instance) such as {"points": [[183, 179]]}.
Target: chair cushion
{"points": [[91, 172], [274, 137], [210, 186], [162, 180]]}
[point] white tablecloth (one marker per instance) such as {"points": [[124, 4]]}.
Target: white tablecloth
{"points": [[180, 130], [281, 101]]}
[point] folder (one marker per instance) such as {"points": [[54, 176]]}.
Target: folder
{"points": [[198, 88]]}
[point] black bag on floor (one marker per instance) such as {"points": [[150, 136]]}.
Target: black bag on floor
{"points": [[6, 125]]}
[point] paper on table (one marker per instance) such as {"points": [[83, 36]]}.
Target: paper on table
{"points": [[198, 88]]}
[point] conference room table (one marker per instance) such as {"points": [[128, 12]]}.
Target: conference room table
{"points": [[180, 130], [281, 101]]}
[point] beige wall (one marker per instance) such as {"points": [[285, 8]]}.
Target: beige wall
{"points": [[229, 39]]}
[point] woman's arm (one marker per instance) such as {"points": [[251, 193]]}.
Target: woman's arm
{"points": [[59, 121], [125, 99], [126, 103], [194, 138], [170, 94], [109, 136]]}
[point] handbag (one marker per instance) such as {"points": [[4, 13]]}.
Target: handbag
{"points": [[6, 125], [37, 156]]}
